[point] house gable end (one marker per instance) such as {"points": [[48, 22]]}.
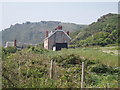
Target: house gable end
{"points": [[56, 32]]}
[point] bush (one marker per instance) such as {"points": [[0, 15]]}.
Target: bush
{"points": [[67, 60], [9, 50], [101, 68], [37, 50]]}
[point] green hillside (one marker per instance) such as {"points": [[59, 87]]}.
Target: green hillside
{"points": [[33, 32], [102, 32]]}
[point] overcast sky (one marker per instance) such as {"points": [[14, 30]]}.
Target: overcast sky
{"points": [[73, 12]]}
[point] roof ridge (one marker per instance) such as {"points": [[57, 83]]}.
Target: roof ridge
{"points": [[55, 32]]}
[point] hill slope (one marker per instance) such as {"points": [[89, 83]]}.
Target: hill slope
{"points": [[34, 32], [102, 32]]}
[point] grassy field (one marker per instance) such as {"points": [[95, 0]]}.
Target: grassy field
{"points": [[92, 53], [30, 68]]}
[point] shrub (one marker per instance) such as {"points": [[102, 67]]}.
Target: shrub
{"points": [[9, 50], [67, 60], [101, 68], [37, 50]]}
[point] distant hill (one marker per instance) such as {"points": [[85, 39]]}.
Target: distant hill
{"points": [[33, 32], [102, 32]]}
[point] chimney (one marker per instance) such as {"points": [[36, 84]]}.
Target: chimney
{"points": [[68, 32], [46, 34], [59, 27], [15, 43]]}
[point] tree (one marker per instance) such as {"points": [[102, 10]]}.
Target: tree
{"points": [[108, 41]]}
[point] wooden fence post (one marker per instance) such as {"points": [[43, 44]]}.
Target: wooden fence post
{"points": [[51, 69], [82, 76], [55, 72]]}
